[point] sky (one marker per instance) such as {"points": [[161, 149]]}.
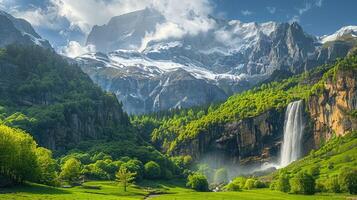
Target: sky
{"points": [[66, 23]]}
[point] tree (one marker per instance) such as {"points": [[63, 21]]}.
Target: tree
{"points": [[348, 180], [136, 167], [125, 177], [197, 182], [71, 171], [152, 170], [221, 176], [302, 183], [283, 182], [47, 166]]}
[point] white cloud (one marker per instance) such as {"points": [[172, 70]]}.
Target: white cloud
{"points": [[74, 49], [183, 17], [271, 10], [306, 8], [246, 12]]}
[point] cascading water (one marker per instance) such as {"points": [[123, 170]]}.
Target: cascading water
{"points": [[293, 131]]}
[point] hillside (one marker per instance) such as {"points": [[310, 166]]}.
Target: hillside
{"points": [[248, 127], [56, 102]]}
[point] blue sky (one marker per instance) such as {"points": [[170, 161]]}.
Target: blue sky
{"points": [[317, 17], [63, 21]]}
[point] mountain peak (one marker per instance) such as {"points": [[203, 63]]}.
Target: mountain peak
{"points": [[344, 31]]}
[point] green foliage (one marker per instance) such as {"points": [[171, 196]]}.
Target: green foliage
{"points": [[42, 93], [136, 167], [197, 182], [302, 183], [282, 183], [221, 176], [337, 157], [333, 185], [71, 171], [348, 180], [249, 184], [232, 186], [21, 159], [152, 170], [125, 177], [47, 167]]}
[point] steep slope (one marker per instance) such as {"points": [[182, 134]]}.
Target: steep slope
{"points": [[56, 102], [230, 57], [13, 30], [248, 128]]}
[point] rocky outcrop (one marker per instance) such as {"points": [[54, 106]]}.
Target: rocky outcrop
{"points": [[330, 110], [14, 30], [249, 141]]}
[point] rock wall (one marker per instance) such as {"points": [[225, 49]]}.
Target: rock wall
{"points": [[249, 141], [330, 111]]}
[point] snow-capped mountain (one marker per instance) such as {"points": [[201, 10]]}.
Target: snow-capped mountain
{"points": [[343, 32], [196, 69], [14, 30]]}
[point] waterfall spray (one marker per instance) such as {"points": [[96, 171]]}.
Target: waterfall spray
{"points": [[293, 131]]}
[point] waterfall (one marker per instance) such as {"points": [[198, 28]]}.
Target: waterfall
{"points": [[293, 131]]}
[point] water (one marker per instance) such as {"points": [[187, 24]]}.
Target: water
{"points": [[293, 131]]}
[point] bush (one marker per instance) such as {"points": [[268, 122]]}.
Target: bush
{"points": [[332, 184], [315, 170], [135, 166], [348, 180], [71, 171], [197, 182], [232, 186], [152, 170], [302, 183], [282, 183], [221, 176], [259, 184], [249, 184]]}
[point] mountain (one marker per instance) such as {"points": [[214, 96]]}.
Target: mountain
{"points": [[347, 31], [14, 30], [248, 128], [229, 58], [54, 101]]}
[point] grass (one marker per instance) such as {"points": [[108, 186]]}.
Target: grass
{"points": [[159, 190]]}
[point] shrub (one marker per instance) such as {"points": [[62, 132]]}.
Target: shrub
{"points": [[197, 182], [249, 184], [315, 170], [232, 186], [332, 184], [71, 171], [135, 166], [152, 170], [282, 183], [259, 184], [221, 176], [302, 183], [348, 180]]}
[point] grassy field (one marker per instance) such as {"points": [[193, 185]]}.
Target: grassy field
{"points": [[162, 190]]}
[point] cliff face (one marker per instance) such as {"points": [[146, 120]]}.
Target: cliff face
{"points": [[252, 140], [258, 139], [330, 111]]}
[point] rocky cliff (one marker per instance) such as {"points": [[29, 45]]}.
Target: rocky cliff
{"points": [[330, 111], [251, 140]]}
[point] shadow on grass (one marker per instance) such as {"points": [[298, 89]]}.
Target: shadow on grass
{"points": [[33, 189]]}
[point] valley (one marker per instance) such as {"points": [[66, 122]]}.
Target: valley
{"points": [[145, 104]]}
